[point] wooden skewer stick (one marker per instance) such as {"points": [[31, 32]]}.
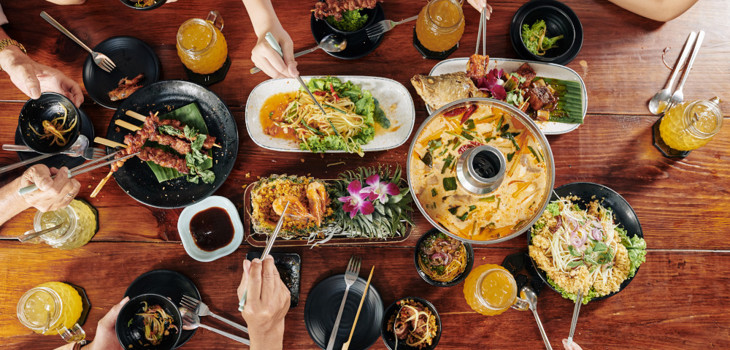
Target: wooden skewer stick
{"points": [[142, 118], [101, 184], [109, 143], [126, 125]]}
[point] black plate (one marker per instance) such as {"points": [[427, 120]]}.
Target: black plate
{"points": [[130, 3], [358, 43], [289, 266], [136, 178], [622, 212], [389, 337], [132, 57], [58, 161], [558, 17], [167, 283], [458, 278], [323, 303]]}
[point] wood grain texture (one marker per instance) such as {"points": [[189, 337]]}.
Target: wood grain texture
{"points": [[664, 299]]}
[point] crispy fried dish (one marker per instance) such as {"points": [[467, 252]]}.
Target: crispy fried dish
{"points": [[477, 66], [440, 90], [56, 129], [126, 87], [442, 258], [413, 323], [309, 205]]}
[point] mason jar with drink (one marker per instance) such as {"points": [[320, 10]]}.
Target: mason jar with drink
{"points": [[202, 48], [687, 126], [54, 308], [439, 28]]}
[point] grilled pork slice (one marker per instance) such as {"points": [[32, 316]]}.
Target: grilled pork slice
{"points": [[540, 97], [526, 72], [477, 66], [440, 90], [126, 87]]}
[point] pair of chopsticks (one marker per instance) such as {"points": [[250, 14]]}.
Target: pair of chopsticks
{"points": [[269, 244], [346, 345], [83, 168], [482, 33]]}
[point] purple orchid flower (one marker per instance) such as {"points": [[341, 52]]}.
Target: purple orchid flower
{"points": [[356, 201], [379, 190]]}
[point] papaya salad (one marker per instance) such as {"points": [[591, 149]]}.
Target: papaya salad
{"points": [[584, 249]]}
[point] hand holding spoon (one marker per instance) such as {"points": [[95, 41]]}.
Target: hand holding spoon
{"points": [[330, 43]]}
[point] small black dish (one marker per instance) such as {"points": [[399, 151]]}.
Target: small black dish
{"points": [[371, 13], [131, 4], [289, 266], [130, 328], [323, 303], [132, 57], [60, 160], [623, 213], [170, 284], [559, 19], [358, 43], [460, 277], [389, 336], [46, 108]]}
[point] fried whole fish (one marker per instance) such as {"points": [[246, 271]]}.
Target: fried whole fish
{"points": [[440, 90]]}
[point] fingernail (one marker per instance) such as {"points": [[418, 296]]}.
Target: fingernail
{"points": [[35, 93], [246, 265]]}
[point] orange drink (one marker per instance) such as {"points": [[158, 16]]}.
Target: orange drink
{"points": [[201, 46], [52, 308], [440, 25], [691, 125], [491, 290]]}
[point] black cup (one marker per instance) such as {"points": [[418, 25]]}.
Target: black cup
{"points": [[130, 327], [132, 4], [559, 20], [458, 278], [47, 107], [389, 336]]}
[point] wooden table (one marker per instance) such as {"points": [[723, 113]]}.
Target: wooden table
{"points": [[679, 300]]}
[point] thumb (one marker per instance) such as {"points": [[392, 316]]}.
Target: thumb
{"points": [[110, 318], [32, 85], [39, 175]]}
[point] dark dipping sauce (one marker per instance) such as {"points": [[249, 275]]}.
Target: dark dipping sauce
{"points": [[211, 229]]}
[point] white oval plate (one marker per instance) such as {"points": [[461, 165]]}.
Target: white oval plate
{"points": [[183, 228], [393, 97], [545, 70]]}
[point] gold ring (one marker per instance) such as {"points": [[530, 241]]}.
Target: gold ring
{"points": [[69, 195]]}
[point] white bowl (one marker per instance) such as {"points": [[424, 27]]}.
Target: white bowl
{"points": [[183, 228]]}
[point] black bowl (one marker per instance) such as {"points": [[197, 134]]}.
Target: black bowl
{"points": [[47, 107], [458, 278], [559, 19], [129, 336], [371, 18], [622, 212], [130, 3], [389, 337]]}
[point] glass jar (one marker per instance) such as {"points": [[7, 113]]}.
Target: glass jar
{"points": [[201, 46], [78, 225], [491, 290], [53, 308], [439, 28], [690, 125]]}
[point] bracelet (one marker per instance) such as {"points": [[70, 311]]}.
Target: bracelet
{"points": [[7, 42], [79, 344]]}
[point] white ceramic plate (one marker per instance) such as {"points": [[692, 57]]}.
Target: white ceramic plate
{"points": [[545, 70], [183, 227], [394, 99]]}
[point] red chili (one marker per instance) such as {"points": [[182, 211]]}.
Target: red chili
{"points": [[455, 112], [320, 93], [334, 93], [468, 113], [472, 144]]}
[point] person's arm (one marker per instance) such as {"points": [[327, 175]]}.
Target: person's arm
{"points": [[31, 77], [106, 336], [263, 18], [267, 303], [52, 193], [67, 2]]}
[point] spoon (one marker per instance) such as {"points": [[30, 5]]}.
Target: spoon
{"points": [[191, 321], [331, 43], [678, 96], [528, 294], [659, 102], [576, 311], [76, 150], [33, 234]]}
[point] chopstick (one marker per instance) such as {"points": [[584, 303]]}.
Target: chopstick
{"points": [[346, 345], [269, 244], [482, 33], [83, 168]]}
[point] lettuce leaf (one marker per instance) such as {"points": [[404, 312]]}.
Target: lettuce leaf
{"points": [[636, 247]]}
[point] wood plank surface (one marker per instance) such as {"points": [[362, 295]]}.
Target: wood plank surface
{"points": [[678, 300]]}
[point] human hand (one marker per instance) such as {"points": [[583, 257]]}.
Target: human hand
{"points": [[269, 61], [267, 303], [481, 4], [33, 78], [106, 335], [571, 346], [52, 193]]}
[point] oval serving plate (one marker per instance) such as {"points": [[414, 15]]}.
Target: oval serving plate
{"points": [[393, 97], [544, 70]]}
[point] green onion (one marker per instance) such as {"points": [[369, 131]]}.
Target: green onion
{"points": [[449, 183]]}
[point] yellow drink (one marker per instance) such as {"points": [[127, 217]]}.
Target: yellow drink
{"points": [[440, 25], [490, 290], [51, 308], [690, 125], [201, 46]]}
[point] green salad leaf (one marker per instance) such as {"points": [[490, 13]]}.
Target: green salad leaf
{"points": [[535, 38], [351, 21]]}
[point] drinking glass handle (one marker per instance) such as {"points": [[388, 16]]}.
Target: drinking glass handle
{"points": [[520, 304], [215, 18], [76, 333]]}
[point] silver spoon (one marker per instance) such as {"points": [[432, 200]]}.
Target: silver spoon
{"points": [[576, 311], [678, 96], [659, 102], [331, 43], [191, 321], [76, 150], [33, 234], [529, 295]]}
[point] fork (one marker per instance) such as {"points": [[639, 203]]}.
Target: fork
{"points": [[678, 95], [89, 153], [353, 269], [101, 60], [203, 310], [383, 26]]}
